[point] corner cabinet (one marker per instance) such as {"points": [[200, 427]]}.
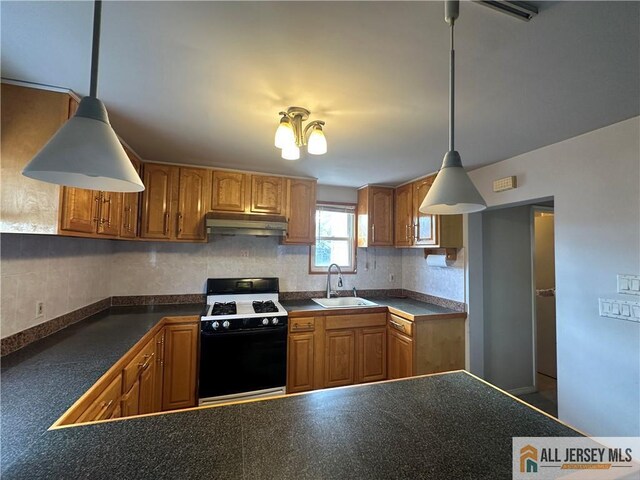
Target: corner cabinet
{"points": [[375, 216], [174, 202], [416, 229], [300, 212]]}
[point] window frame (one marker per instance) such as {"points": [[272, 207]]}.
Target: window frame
{"points": [[315, 270]]}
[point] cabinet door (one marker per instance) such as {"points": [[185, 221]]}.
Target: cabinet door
{"points": [[79, 210], [403, 205], [109, 213], [372, 354], [381, 216], [129, 216], [131, 400], [424, 223], [301, 212], [266, 194], [193, 191], [301, 362], [228, 191], [147, 388], [340, 359], [180, 354], [159, 371], [156, 200], [105, 403], [400, 355]]}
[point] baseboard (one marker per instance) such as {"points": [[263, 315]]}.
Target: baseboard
{"points": [[522, 390]]}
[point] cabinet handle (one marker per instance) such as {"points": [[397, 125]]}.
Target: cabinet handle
{"points": [[299, 326], [145, 365], [179, 223], [373, 233], [165, 223], [108, 219], [127, 222], [407, 230], [415, 231], [105, 407], [96, 218], [397, 325]]}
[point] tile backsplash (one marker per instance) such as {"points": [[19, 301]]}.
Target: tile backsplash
{"points": [[69, 273]]}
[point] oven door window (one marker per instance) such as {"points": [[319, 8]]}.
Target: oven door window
{"points": [[242, 361]]}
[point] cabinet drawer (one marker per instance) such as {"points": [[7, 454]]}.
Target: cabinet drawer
{"points": [[139, 363], [401, 325], [334, 322], [103, 407], [302, 324]]}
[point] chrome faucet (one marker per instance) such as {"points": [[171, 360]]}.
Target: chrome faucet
{"points": [[331, 292]]}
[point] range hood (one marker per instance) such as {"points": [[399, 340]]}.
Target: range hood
{"points": [[241, 224]]}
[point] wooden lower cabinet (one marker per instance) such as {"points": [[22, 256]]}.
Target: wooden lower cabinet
{"points": [[180, 366], [301, 355], [400, 355], [340, 358], [372, 354], [157, 374]]}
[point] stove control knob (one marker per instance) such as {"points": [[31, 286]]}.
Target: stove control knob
{"points": [[215, 325], [275, 321], [265, 321], [226, 324]]}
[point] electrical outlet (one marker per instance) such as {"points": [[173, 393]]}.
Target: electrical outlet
{"points": [[392, 277], [39, 309], [244, 253]]}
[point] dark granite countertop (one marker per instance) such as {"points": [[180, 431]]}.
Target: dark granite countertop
{"points": [[436, 427], [43, 379], [406, 307]]}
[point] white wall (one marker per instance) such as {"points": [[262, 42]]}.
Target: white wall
{"points": [[508, 332], [595, 182], [440, 282], [64, 273]]}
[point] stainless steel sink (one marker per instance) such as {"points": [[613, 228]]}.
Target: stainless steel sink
{"points": [[344, 302]]}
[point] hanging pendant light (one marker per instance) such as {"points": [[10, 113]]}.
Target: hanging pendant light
{"points": [[86, 152], [452, 191]]}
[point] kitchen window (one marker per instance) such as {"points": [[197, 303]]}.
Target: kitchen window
{"points": [[335, 238]]}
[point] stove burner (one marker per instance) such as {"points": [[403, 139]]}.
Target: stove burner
{"points": [[221, 308], [264, 307]]}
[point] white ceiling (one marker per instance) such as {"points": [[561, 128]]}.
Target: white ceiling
{"points": [[202, 82]]}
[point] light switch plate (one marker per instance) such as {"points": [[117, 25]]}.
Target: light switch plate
{"points": [[629, 284], [621, 309]]}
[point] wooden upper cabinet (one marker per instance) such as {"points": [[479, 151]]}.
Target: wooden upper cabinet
{"points": [[301, 212], [180, 366], [375, 216], [403, 204], [79, 210], [424, 223], [193, 192], [267, 195], [159, 182], [130, 202], [109, 213], [228, 191]]}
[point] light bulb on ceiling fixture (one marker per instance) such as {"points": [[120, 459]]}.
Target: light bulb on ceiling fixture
{"points": [[317, 144], [291, 152], [284, 134]]}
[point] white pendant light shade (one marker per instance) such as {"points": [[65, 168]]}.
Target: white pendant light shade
{"points": [[452, 192], [291, 152], [317, 144], [285, 136], [86, 153]]}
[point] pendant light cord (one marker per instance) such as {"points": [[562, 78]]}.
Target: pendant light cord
{"points": [[452, 77], [95, 49]]}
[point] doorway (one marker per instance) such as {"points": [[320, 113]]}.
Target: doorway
{"points": [[544, 310]]}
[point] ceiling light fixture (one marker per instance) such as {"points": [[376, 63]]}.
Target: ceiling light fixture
{"points": [[86, 152], [290, 135], [452, 191]]}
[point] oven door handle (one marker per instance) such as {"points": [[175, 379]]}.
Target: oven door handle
{"points": [[252, 331]]}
